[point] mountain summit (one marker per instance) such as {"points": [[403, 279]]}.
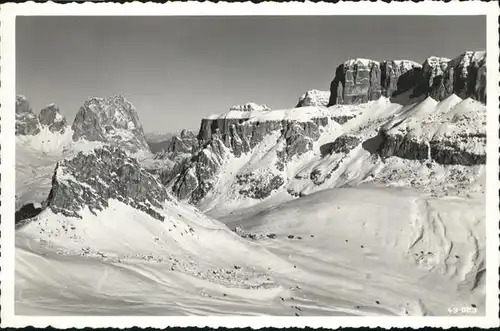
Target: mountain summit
{"points": [[26, 121], [111, 120]]}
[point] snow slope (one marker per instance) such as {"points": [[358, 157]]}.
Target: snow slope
{"points": [[36, 157], [46, 142], [186, 254], [413, 253], [362, 251], [353, 158]]}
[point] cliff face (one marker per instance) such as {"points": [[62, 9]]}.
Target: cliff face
{"points": [[464, 76], [27, 123], [399, 76], [379, 141], [235, 134], [223, 137], [193, 178], [361, 80], [111, 120], [89, 180]]}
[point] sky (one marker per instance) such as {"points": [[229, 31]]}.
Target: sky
{"points": [[177, 70]]}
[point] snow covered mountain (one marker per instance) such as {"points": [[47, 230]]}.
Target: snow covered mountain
{"points": [[364, 200], [103, 207], [248, 156], [28, 124], [47, 133], [110, 120], [110, 239], [26, 121], [304, 150], [43, 140]]}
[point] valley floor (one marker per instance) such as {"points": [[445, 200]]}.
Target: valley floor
{"points": [[350, 251]]}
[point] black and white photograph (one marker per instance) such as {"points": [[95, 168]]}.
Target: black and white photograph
{"points": [[250, 165]]}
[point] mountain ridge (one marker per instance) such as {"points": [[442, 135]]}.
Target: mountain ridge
{"points": [[190, 163]]}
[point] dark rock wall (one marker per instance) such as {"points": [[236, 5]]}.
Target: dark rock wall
{"points": [[91, 179], [362, 81], [102, 119]]}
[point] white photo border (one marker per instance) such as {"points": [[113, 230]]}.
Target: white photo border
{"points": [[8, 13]]}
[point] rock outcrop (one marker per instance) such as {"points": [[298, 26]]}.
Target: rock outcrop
{"points": [[464, 76], [343, 144], [398, 76], [27, 123], [258, 187], [361, 80], [194, 178], [314, 98], [432, 74], [51, 117], [90, 179], [111, 120]]}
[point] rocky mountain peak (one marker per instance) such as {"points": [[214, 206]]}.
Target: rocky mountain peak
{"points": [[112, 120], [51, 117], [27, 123], [314, 98], [91, 179]]}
